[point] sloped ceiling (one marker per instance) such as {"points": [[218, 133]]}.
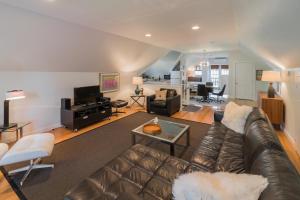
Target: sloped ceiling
{"points": [[162, 66], [33, 42], [271, 30], [267, 28], [169, 21]]}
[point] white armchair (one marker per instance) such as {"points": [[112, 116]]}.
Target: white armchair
{"points": [[29, 148]]}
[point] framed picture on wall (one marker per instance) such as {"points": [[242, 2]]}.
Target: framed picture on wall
{"points": [[109, 82], [259, 74]]}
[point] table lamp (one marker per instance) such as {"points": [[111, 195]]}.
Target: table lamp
{"points": [[9, 96], [137, 80], [271, 76]]}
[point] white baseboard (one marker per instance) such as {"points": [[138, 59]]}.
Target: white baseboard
{"points": [[45, 129], [292, 141], [11, 137]]}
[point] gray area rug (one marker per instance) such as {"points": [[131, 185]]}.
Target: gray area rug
{"points": [[79, 157], [191, 108]]}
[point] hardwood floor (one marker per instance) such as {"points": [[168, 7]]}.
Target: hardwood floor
{"points": [[204, 115], [6, 192], [62, 134], [289, 149]]}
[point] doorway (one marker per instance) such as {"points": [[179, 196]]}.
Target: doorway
{"points": [[244, 81]]}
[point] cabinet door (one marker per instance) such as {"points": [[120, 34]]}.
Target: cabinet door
{"points": [[274, 110]]}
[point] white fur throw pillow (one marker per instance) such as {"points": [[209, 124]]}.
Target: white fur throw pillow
{"points": [[235, 116], [218, 186]]}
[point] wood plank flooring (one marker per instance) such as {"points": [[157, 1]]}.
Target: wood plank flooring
{"points": [[204, 115]]}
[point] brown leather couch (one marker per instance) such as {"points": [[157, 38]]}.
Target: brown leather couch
{"points": [[145, 173]]}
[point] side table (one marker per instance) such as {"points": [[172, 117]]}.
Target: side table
{"points": [[136, 99], [18, 129]]}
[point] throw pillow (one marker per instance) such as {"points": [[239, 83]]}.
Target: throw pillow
{"points": [[161, 95], [235, 116], [218, 186]]}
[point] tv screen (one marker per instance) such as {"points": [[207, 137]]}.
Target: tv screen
{"points": [[86, 95]]}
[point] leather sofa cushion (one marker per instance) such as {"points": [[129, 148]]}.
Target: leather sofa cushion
{"points": [[231, 156], [220, 150], [256, 114], [141, 172], [207, 153], [284, 181], [159, 103], [258, 137]]}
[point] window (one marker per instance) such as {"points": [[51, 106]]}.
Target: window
{"points": [[216, 71], [224, 70], [198, 73], [198, 70], [215, 75]]}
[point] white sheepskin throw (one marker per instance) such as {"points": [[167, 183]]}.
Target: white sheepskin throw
{"points": [[218, 186], [235, 116]]}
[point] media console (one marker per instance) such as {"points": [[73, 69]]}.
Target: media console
{"points": [[79, 116]]}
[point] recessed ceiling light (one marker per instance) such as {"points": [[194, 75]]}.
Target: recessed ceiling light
{"points": [[50, 0], [196, 27], [148, 35]]}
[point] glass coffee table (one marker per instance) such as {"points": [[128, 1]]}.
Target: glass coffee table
{"points": [[171, 132]]}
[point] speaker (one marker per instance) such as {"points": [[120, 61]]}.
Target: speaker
{"points": [[66, 104]]}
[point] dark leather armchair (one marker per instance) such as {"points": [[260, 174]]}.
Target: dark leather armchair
{"points": [[168, 107]]}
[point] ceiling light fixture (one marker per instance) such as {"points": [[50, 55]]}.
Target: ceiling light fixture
{"points": [[196, 27], [148, 35]]}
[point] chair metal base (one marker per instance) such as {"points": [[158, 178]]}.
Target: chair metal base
{"points": [[33, 165], [116, 112]]}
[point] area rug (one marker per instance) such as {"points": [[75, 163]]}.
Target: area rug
{"points": [[78, 157], [191, 108]]}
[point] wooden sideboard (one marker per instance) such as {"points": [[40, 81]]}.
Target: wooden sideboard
{"points": [[273, 107]]}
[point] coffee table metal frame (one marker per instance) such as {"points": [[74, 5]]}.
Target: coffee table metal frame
{"points": [[185, 131]]}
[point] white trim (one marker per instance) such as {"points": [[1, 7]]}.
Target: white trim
{"points": [[292, 141]]}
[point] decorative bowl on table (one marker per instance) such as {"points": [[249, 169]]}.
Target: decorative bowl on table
{"points": [[152, 129]]}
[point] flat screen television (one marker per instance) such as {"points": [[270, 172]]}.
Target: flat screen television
{"points": [[86, 95]]}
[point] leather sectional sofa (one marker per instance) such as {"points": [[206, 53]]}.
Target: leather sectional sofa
{"points": [[145, 173]]}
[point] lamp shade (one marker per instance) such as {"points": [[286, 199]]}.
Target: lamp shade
{"points": [[137, 80], [271, 76], [15, 94]]}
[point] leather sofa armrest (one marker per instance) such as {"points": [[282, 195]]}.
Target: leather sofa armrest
{"points": [[150, 98], [218, 116], [173, 104]]}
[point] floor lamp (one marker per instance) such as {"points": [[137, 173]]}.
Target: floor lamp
{"points": [[9, 96]]}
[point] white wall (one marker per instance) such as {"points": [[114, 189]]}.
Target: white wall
{"points": [[290, 91], [35, 42], [47, 58], [193, 59], [234, 57], [163, 66], [270, 29], [240, 56], [43, 93]]}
